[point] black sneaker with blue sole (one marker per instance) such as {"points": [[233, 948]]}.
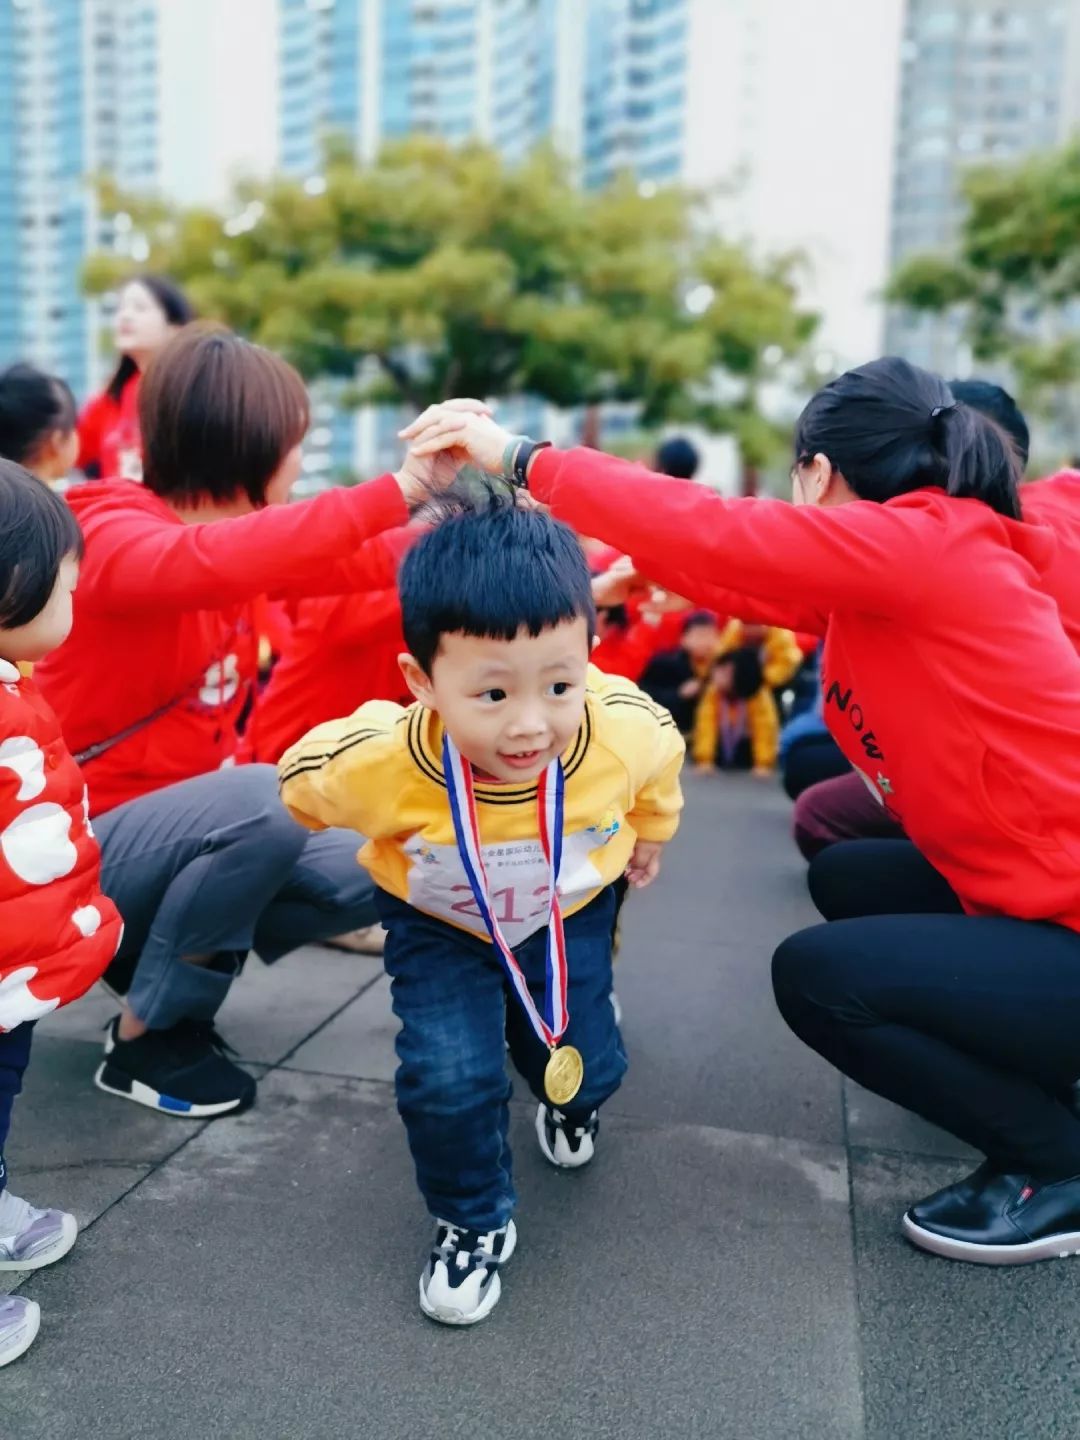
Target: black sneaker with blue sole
{"points": [[183, 1071]]}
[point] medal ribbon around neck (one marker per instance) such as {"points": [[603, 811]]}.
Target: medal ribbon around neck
{"points": [[459, 781]]}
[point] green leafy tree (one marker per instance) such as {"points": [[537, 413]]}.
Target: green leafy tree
{"points": [[447, 272], [1014, 276]]}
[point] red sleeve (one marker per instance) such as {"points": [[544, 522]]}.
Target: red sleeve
{"points": [[789, 615], [373, 567], [627, 652], [858, 556], [89, 426], [280, 550]]}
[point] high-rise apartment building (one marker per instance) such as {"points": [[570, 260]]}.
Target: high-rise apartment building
{"points": [[77, 96], [603, 79], [981, 82], [143, 90]]}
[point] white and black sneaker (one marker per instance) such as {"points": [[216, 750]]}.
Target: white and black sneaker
{"points": [[460, 1284], [566, 1143], [183, 1071]]}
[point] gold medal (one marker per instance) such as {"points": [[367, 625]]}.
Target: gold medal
{"points": [[563, 1075]]}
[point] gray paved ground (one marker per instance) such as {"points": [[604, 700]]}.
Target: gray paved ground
{"points": [[730, 1266]]}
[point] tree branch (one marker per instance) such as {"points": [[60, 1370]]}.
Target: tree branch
{"points": [[401, 378]]}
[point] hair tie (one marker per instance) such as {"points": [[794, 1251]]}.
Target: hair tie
{"points": [[939, 410]]}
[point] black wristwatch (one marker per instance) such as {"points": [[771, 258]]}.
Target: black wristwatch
{"points": [[523, 453]]}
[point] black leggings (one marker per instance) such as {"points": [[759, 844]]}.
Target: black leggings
{"points": [[972, 1022]]}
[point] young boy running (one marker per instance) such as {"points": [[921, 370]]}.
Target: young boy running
{"points": [[499, 810]]}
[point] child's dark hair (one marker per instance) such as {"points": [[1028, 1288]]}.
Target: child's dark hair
{"points": [[173, 304], [699, 617], [890, 428], [747, 673], [37, 532], [33, 406], [678, 457], [491, 566]]}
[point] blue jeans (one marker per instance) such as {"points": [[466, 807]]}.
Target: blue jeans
{"points": [[14, 1057], [450, 994]]}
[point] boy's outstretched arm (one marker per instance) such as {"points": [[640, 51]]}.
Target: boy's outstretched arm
{"points": [[658, 802], [341, 772]]}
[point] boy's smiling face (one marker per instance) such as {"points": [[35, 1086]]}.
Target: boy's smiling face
{"points": [[510, 706]]}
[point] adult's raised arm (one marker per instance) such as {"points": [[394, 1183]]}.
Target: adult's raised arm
{"points": [[374, 566], [283, 549], [702, 594], [861, 555]]}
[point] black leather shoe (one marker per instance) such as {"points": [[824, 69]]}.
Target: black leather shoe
{"points": [[995, 1219]]}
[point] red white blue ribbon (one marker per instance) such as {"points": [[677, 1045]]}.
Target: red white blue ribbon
{"points": [[459, 782]]}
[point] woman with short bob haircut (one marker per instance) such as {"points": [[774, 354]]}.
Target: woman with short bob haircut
{"points": [[198, 854]]}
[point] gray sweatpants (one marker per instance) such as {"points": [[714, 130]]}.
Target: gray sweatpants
{"points": [[216, 866]]}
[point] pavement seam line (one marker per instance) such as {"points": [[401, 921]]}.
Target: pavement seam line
{"points": [[860, 1357], [153, 1166], [152, 1169], [282, 1060]]}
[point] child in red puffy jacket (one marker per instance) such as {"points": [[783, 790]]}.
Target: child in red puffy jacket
{"points": [[59, 931]]}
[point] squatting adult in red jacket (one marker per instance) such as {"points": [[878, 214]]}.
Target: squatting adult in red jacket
{"points": [[951, 685], [59, 931], [200, 857]]}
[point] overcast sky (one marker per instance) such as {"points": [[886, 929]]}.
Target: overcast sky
{"points": [[219, 97]]}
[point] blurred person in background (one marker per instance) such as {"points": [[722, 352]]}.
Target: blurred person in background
{"points": [[37, 422], [150, 310], [677, 456]]}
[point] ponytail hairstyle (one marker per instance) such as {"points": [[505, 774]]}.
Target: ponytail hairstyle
{"points": [[889, 428]]}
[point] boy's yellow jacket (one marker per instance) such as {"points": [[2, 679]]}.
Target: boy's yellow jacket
{"points": [[380, 772]]}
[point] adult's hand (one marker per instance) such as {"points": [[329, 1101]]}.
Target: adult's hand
{"points": [[464, 426], [615, 585], [423, 474]]}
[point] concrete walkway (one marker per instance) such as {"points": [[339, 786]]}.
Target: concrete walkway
{"points": [[730, 1266]]}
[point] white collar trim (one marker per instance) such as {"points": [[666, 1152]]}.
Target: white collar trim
{"points": [[9, 674]]}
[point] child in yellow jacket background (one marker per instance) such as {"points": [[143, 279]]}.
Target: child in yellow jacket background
{"points": [[736, 719]]}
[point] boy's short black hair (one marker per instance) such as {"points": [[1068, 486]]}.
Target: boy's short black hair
{"points": [[491, 566], [37, 532]]}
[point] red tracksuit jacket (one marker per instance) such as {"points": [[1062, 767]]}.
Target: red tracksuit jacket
{"points": [[59, 930], [168, 619], [341, 652], [949, 681]]}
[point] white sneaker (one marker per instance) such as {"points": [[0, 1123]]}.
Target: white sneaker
{"points": [[20, 1320], [32, 1238], [565, 1145], [461, 1282]]}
